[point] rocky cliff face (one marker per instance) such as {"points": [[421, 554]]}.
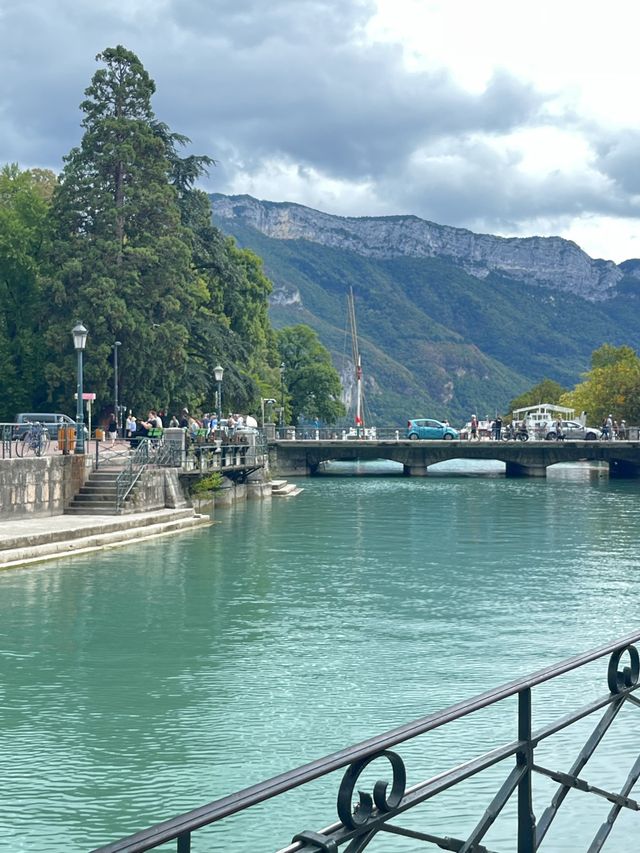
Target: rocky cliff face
{"points": [[550, 261]]}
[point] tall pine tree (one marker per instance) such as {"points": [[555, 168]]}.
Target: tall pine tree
{"points": [[123, 258]]}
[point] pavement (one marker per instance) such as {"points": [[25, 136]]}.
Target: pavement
{"points": [[31, 540]]}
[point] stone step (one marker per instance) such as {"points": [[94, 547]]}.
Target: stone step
{"points": [[286, 491], [91, 509], [89, 497], [93, 536]]}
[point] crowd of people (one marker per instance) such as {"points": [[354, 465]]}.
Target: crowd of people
{"points": [[611, 429], [207, 426]]}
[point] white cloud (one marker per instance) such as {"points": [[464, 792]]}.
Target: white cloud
{"points": [[494, 115]]}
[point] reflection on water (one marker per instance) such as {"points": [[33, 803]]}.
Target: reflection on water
{"points": [[138, 683]]}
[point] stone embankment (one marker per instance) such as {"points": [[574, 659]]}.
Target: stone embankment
{"points": [[57, 506], [36, 539]]}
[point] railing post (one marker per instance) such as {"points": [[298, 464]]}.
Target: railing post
{"points": [[526, 817], [184, 843]]}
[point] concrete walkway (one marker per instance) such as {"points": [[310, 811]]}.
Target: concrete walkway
{"points": [[30, 540]]}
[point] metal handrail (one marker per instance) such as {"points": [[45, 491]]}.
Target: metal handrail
{"points": [[396, 799], [130, 474]]}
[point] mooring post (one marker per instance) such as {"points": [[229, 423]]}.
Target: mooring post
{"points": [[526, 817]]}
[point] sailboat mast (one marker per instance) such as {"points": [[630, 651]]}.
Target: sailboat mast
{"points": [[357, 361]]}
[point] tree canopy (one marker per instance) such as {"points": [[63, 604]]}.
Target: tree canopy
{"points": [[612, 386], [312, 382], [123, 241], [547, 391]]}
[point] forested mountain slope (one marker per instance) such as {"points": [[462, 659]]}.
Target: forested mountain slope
{"points": [[436, 339]]}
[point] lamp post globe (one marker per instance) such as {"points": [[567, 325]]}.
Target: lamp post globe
{"points": [[79, 333], [218, 373]]}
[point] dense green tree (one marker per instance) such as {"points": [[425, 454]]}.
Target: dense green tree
{"points": [[612, 386], [312, 383], [233, 327], [23, 244], [547, 391], [124, 242], [122, 254]]}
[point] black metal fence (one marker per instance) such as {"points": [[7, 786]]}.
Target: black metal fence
{"points": [[519, 761]]}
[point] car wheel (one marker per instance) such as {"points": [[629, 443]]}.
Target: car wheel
{"points": [[447, 436], [550, 436], [591, 436], [413, 436]]}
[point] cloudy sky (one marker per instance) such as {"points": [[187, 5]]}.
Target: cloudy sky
{"points": [[513, 118]]}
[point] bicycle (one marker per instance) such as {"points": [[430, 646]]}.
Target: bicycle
{"points": [[35, 440]]}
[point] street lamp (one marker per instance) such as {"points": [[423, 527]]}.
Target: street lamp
{"points": [[218, 372], [115, 383], [282, 370], [266, 401], [79, 342]]}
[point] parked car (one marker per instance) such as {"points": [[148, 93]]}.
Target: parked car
{"points": [[51, 420], [574, 429], [425, 428]]}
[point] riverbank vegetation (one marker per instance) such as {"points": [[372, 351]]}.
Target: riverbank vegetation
{"points": [[610, 387], [122, 240]]}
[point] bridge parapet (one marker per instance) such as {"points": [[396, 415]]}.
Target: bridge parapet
{"points": [[303, 457]]}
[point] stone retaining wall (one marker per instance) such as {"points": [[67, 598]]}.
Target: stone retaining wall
{"points": [[40, 486]]}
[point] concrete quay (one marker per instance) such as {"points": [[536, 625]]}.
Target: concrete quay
{"points": [[31, 540]]}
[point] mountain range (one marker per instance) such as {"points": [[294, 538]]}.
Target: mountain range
{"points": [[449, 322]]}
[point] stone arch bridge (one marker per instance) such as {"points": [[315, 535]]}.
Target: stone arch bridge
{"points": [[523, 459]]}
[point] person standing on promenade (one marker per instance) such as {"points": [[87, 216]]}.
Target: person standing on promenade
{"points": [[130, 426], [474, 427], [112, 429]]}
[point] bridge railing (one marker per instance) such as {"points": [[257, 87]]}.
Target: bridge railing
{"points": [[518, 761], [339, 433], [383, 433]]}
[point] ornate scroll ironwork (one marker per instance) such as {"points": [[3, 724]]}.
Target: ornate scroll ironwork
{"points": [[380, 810]]}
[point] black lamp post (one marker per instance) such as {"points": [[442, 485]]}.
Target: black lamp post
{"points": [[79, 342], [115, 383], [282, 370], [218, 372]]}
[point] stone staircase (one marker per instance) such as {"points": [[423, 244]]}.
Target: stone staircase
{"points": [[54, 537], [284, 489], [98, 495]]}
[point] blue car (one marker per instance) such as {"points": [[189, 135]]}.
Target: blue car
{"points": [[426, 428]]}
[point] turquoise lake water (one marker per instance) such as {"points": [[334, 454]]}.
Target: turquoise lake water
{"points": [[144, 681]]}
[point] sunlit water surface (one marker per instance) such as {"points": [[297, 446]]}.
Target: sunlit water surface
{"points": [[144, 681]]}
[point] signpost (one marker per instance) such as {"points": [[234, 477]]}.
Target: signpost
{"points": [[88, 398]]}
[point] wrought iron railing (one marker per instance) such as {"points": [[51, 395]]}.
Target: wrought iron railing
{"points": [[136, 463], [206, 457], [380, 811], [147, 452]]}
